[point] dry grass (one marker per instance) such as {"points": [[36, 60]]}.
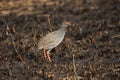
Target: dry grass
{"points": [[49, 22], [116, 36], [23, 7], [74, 67], [96, 55], [8, 31]]}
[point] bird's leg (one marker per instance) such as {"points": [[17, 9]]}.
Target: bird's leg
{"points": [[48, 55], [44, 53]]}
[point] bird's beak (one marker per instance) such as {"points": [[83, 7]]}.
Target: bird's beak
{"points": [[68, 23]]}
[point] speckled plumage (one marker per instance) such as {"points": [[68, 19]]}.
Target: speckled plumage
{"points": [[52, 40]]}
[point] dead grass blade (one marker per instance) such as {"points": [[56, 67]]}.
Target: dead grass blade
{"points": [[49, 22], [12, 40], [74, 67]]}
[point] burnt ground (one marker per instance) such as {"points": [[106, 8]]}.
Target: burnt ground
{"points": [[93, 40]]}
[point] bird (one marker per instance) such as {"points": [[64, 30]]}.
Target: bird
{"points": [[52, 40]]}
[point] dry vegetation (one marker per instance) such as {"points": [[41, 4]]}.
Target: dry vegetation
{"points": [[90, 50]]}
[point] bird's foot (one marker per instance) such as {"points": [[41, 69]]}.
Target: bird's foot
{"points": [[45, 54], [48, 56]]}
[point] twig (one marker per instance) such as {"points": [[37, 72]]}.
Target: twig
{"points": [[75, 72], [50, 26], [12, 40], [116, 36], [74, 67]]}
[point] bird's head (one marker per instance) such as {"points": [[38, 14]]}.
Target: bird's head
{"points": [[66, 23]]}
